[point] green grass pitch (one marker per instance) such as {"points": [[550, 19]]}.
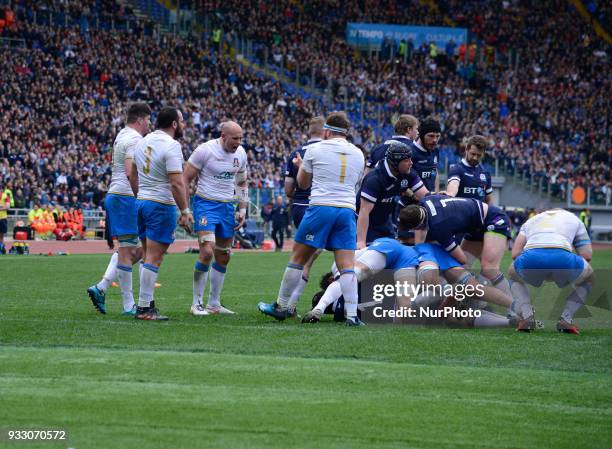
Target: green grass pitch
{"points": [[246, 381]]}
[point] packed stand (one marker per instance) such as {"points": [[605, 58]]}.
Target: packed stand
{"points": [[69, 90], [535, 110]]}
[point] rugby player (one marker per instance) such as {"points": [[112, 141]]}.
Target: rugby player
{"points": [[379, 189], [157, 175], [486, 229], [299, 201], [333, 168], [425, 158], [405, 131], [469, 178], [543, 252], [120, 206], [221, 168]]}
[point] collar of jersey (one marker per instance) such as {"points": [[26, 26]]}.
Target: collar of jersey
{"points": [[464, 162], [313, 141], [419, 147]]}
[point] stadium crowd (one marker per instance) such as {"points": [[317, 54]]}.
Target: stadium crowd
{"points": [[534, 110], [66, 93]]}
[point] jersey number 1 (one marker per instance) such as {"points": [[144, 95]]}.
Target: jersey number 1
{"points": [[342, 167], [147, 165]]}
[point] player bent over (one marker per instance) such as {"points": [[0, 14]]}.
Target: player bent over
{"points": [[333, 169], [543, 252], [221, 168], [486, 229], [120, 206], [158, 168]]}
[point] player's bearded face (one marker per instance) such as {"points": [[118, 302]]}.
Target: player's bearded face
{"points": [[180, 127], [473, 156], [430, 140], [178, 133]]}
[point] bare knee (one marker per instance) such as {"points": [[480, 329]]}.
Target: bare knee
{"points": [[206, 253], [301, 254], [222, 256], [136, 254]]}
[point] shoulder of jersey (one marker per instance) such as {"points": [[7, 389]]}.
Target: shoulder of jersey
{"points": [[241, 150], [209, 144]]}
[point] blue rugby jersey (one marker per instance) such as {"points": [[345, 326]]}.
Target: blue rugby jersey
{"points": [[425, 163], [300, 196], [381, 188], [474, 182], [448, 216]]}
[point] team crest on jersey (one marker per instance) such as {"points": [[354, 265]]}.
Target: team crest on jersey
{"points": [[203, 221], [483, 177], [310, 237], [236, 162]]}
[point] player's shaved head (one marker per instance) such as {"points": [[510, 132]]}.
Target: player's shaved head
{"points": [[231, 136], [230, 128]]}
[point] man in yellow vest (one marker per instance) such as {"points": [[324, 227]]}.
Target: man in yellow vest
{"points": [[585, 218], [6, 202], [216, 39]]}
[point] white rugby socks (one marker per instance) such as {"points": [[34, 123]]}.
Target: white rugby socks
{"points": [[110, 274], [147, 284], [200, 276], [291, 279], [333, 292], [348, 284], [217, 276], [297, 293], [124, 275]]}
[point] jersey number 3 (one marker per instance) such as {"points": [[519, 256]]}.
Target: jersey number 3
{"points": [[147, 165]]}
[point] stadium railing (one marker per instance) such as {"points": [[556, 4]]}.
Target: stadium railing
{"points": [[93, 21], [15, 44]]}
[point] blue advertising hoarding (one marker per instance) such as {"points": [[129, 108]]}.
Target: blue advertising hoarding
{"points": [[373, 34]]}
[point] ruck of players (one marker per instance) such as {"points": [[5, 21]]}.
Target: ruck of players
{"points": [[386, 211]]}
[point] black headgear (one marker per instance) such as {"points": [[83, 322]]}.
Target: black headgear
{"points": [[396, 153], [429, 125]]}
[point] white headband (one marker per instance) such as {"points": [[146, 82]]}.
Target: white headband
{"points": [[335, 129]]}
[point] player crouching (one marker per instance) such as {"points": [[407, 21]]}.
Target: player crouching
{"points": [[543, 252]]}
